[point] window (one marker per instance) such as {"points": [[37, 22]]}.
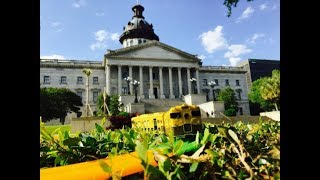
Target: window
{"points": [[79, 80], [95, 96], [227, 82], [205, 82], [131, 42], [239, 93], [175, 115], [63, 80], [139, 41], [79, 93], [217, 82], [46, 80], [95, 80], [237, 83], [144, 41]]}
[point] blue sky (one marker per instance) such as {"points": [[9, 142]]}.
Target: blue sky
{"points": [[85, 29]]}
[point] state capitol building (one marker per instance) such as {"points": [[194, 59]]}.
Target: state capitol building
{"points": [[164, 72]]}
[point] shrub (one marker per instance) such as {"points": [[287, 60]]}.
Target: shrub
{"points": [[123, 119], [230, 112]]}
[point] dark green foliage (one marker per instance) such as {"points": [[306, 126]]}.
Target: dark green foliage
{"points": [[223, 151], [57, 102], [228, 96], [230, 112], [112, 103]]}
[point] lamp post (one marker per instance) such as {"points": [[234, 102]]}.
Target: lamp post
{"points": [[194, 81], [128, 79], [212, 84], [135, 84]]}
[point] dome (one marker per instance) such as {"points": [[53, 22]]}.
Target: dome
{"points": [[138, 27]]}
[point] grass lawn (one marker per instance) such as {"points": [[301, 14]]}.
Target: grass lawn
{"points": [[50, 129]]}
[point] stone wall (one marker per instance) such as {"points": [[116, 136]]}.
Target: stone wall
{"points": [[195, 99], [86, 124]]}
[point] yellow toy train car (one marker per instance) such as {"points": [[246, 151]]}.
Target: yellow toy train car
{"points": [[183, 120]]}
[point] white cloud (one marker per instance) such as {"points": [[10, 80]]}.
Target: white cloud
{"points": [[55, 24], [99, 14], [115, 36], [263, 6], [54, 56], [201, 56], [255, 36], [213, 40], [79, 3], [101, 37], [246, 14], [236, 50], [98, 45]]}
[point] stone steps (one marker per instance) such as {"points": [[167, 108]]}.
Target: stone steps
{"points": [[160, 105]]}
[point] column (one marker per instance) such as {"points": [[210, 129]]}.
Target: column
{"points": [[161, 84], [188, 79], [180, 82], [141, 82], [198, 81], [130, 85], [151, 95], [108, 82], [170, 84], [119, 80]]}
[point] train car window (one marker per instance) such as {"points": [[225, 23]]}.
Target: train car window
{"points": [[186, 116], [175, 115], [195, 113]]}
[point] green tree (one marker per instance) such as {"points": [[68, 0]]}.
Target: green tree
{"points": [[231, 3], [255, 95], [57, 103], [230, 101], [270, 88], [112, 103]]}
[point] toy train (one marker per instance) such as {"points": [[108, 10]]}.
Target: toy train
{"points": [[182, 121]]}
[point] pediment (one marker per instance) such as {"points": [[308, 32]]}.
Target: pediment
{"points": [[153, 50]]}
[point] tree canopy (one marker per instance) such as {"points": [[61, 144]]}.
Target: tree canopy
{"points": [[230, 101], [270, 88], [57, 103], [255, 95], [112, 103]]}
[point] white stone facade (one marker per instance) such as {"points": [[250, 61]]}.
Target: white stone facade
{"points": [[163, 72]]}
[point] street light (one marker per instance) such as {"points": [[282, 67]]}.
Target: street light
{"points": [[194, 81], [128, 79], [135, 84], [212, 84]]}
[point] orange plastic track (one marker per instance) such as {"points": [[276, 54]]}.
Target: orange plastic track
{"points": [[124, 165]]}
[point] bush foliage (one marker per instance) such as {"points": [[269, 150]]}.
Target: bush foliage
{"points": [[224, 151]]}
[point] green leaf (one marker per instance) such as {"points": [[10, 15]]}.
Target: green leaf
{"points": [[71, 141], [141, 148], [99, 129], [57, 160], [177, 147], [222, 131], [166, 165], [205, 136], [193, 167], [105, 166], [233, 136]]}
